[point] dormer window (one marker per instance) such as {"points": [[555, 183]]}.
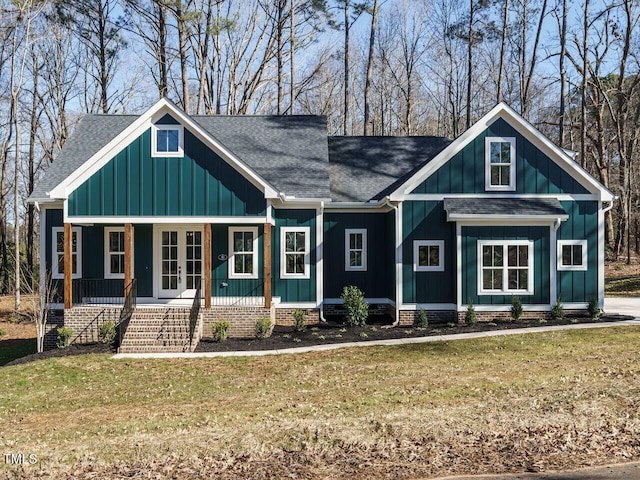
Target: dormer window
{"points": [[500, 163], [167, 141]]}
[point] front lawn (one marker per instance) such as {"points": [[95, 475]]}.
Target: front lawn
{"points": [[622, 280], [514, 403]]}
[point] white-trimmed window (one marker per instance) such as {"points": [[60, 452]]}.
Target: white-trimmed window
{"points": [[500, 163], [428, 255], [114, 252], [505, 267], [355, 249], [243, 252], [57, 256], [295, 257], [572, 254], [167, 141]]}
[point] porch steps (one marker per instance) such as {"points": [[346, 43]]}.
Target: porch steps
{"points": [[159, 330]]}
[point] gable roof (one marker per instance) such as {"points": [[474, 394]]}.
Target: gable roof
{"points": [[369, 168], [527, 130]]}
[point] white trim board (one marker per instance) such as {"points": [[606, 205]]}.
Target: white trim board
{"points": [[167, 220]]}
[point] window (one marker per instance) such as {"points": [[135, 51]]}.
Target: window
{"points": [[572, 255], [294, 260], [167, 141], [243, 249], [505, 267], [355, 250], [114, 252], [57, 256], [428, 255], [500, 163]]}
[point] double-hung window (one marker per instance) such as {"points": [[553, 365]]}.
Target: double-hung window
{"points": [[114, 252], [428, 255], [295, 257], [505, 267], [167, 141], [500, 163], [243, 246], [572, 255], [57, 256], [355, 250]]}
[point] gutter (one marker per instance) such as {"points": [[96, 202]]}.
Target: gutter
{"points": [[387, 202], [321, 313]]}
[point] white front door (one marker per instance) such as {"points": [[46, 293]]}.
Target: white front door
{"points": [[180, 257]]}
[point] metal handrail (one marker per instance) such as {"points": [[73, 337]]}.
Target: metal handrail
{"points": [[195, 310], [130, 302]]}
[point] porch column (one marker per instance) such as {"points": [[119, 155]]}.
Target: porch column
{"points": [[68, 266], [267, 265], [128, 260], [207, 265]]}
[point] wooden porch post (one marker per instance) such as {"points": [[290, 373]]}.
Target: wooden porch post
{"points": [[68, 266], [267, 265], [128, 259], [207, 265]]}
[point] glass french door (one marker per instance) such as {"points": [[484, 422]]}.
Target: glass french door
{"points": [[180, 262]]}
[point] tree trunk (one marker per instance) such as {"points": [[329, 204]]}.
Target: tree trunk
{"points": [[346, 68], [563, 73], [503, 44], [367, 84], [469, 63]]}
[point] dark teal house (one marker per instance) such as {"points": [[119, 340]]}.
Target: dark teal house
{"points": [[165, 221]]}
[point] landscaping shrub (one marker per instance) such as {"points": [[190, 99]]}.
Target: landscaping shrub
{"points": [[2, 332], [516, 307], [107, 332], [557, 312], [263, 328], [64, 337], [421, 320], [593, 308], [220, 330], [357, 310], [299, 316], [470, 317]]}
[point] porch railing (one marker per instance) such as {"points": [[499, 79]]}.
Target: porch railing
{"points": [[228, 292], [98, 291], [195, 310]]}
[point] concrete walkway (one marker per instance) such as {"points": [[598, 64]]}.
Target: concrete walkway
{"points": [[622, 306], [395, 341]]}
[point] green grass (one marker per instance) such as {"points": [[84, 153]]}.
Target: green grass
{"points": [[623, 286], [441, 396]]}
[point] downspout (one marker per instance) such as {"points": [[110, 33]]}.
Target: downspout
{"points": [[322, 319], [387, 202], [609, 207]]}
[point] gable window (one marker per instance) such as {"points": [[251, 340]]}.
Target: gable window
{"points": [[355, 250], [500, 163], [505, 267], [57, 256], [167, 141], [294, 259], [428, 256], [572, 255], [114, 252], [243, 248]]}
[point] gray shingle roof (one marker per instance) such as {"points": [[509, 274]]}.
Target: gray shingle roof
{"points": [[368, 168], [550, 207]]}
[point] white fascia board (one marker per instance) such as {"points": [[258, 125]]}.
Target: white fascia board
{"points": [[143, 122], [167, 220], [489, 222], [464, 217], [502, 110]]}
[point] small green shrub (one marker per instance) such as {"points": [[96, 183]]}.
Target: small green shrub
{"points": [[15, 317], [2, 332], [322, 337], [357, 310], [374, 329], [299, 316], [516, 307], [593, 308], [470, 317], [363, 335], [436, 330], [542, 321], [263, 328], [573, 320], [421, 320], [297, 340], [220, 330], [286, 335], [451, 324], [557, 312], [107, 332], [492, 324], [64, 337]]}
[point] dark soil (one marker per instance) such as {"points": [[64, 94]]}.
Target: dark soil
{"points": [[333, 331]]}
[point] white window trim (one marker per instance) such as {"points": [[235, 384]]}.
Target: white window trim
{"points": [[347, 249], [487, 164], [575, 268], [107, 253], [307, 254], [231, 259], [54, 252], [428, 243], [505, 277], [154, 143]]}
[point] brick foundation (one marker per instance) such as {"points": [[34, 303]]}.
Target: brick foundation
{"points": [[242, 320], [408, 317], [506, 316], [84, 321], [284, 316], [374, 309]]}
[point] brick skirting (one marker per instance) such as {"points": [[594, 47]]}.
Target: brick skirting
{"points": [[242, 320], [408, 317], [284, 316]]}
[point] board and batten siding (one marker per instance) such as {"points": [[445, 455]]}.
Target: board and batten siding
{"points": [[580, 286], [465, 171], [294, 290], [426, 220], [135, 184], [541, 263], [378, 280]]}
